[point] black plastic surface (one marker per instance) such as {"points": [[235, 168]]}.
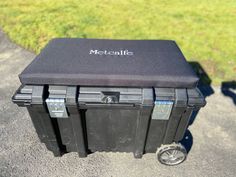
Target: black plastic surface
{"points": [[126, 126]]}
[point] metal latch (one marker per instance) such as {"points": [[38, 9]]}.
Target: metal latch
{"points": [[162, 109], [56, 107]]}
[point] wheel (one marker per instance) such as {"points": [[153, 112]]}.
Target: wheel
{"points": [[172, 154]]}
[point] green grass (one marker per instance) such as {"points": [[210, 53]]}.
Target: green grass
{"points": [[204, 29]]}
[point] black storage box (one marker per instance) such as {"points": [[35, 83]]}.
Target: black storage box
{"points": [[88, 95]]}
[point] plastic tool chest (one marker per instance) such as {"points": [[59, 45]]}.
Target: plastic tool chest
{"points": [[88, 95]]}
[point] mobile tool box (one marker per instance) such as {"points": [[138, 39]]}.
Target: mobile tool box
{"points": [[88, 95]]}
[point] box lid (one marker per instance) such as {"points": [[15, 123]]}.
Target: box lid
{"points": [[99, 62]]}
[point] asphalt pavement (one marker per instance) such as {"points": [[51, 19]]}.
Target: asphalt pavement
{"points": [[213, 137]]}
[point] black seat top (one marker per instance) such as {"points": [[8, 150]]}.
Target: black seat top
{"points": [[98, 62]]}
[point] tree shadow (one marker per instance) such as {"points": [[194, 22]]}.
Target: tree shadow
{"points": [[228, 88]]}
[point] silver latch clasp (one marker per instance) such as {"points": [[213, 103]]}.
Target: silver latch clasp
{"points": [[56, 107]]}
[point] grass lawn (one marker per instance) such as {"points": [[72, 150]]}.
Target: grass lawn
{"points": [[204, 29]]}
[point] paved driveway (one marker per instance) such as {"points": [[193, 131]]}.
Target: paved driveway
{"points": [[213, 152]]}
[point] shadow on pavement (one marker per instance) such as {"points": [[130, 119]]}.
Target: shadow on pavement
{"points": [[204, 85], [205, 81], [187, 141], [228, 88]]}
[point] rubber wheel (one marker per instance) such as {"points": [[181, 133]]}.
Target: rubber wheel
{"points": [[173, 154]]}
